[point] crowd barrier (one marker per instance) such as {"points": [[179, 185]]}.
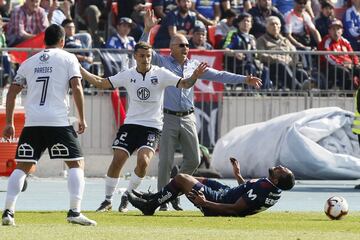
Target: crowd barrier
{"points": [[219, 108]]}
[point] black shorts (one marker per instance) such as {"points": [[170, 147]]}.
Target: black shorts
{"points": [[131, 137], [61, 142]]}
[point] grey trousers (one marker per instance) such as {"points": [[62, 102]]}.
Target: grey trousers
{"points": [[178, 130]]}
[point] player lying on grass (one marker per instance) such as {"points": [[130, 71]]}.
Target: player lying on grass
{"points": [[216, 199]]}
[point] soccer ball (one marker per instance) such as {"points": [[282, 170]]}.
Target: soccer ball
{"points": [[336, 207]]}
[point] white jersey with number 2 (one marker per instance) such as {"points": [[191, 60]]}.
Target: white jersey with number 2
{"points": [[47, 75], [146, 93]]}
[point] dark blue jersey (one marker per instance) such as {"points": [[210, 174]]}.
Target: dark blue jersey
{"points": [[259, 195]]}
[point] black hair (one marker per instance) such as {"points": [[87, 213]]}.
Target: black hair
{"points": [[53, 34], [229, 13], [66, 22], [142, 45], [241, 17], [286, 182]]}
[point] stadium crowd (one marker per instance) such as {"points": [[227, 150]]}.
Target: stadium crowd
{"points": [[278, 25]]}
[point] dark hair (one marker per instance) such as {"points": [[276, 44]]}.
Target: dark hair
{"points": [[229, 13], [286, 182], [241, 17], [142, 45], [53, 34], [66, 22]]}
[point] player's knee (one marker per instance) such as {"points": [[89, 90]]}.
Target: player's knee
{"points": [[142, 164]]}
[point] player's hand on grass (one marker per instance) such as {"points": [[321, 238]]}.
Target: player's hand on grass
{"points": [[9, 131], [81, 127]]}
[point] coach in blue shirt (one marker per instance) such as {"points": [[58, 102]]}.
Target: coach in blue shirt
{"points": [[179, 120]]}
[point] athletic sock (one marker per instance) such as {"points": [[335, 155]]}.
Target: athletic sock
{"points": [[134, 183], [15, 184], [110, 187], [167, 193], [76, 185]]}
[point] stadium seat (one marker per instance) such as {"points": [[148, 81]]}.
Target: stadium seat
{"points": [[211, 35], [153, 33]]}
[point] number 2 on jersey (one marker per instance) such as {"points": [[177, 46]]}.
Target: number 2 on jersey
{"points": [[44, 81]]}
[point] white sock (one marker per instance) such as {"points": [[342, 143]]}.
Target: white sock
{"points": [[110, 187], [76, 185], [15, 184], [134, 183]]}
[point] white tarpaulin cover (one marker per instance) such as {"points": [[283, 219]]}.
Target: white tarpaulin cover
{"points": [[315, 144]]}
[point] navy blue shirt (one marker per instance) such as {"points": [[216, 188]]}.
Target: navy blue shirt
{"points": [[259, 195]]}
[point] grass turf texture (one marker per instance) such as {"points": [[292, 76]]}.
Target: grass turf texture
{"points": [[184, 225]]}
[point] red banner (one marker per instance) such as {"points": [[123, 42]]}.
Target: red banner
{"points": [[34, 42]]}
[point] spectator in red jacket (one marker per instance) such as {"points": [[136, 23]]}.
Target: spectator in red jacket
{"points": [[340, 70]]}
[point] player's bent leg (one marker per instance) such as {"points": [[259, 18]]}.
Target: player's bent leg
{"points": [[112, 178], [144, 156]]}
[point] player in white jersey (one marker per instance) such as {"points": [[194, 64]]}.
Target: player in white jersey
{"points": [[145, 85], [47, 76]]}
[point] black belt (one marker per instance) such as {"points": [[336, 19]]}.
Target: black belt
{"points": [[179, 114]]}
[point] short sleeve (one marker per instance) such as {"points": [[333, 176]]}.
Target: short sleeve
{"points": [[74, 67], [168, 78], [20, 78], [119, 80]]}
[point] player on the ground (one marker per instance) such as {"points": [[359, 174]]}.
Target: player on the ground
{"points": [[216, 199], [145, 85], [47, 76]]}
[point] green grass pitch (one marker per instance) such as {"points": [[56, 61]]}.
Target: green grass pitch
{"points": [[184, 225]]}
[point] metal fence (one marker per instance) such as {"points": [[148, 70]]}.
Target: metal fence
{"points": [[237, 105]]}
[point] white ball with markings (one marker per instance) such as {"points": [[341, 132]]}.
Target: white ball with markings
{"points": [[336, 207]]}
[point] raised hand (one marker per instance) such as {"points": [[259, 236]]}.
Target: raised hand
{"points": [[150, 20], [199, 70]]}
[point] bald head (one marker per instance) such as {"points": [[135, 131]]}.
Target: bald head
{"points": [[178, 38]]}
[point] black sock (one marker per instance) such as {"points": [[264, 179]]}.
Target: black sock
{"points": [[167, 193]]}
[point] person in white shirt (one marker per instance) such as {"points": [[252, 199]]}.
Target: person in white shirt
{"points": [[145, 85], [47, 76]]}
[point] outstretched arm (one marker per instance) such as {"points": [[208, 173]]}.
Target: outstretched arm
{"points": [[150, 20], [97, 81], [189, 82], [236, 170]]}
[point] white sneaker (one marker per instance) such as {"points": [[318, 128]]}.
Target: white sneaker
{"points": [[8, 218], [79, 218]]}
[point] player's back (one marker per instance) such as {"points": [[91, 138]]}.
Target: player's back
{"points": [[47, 75]]}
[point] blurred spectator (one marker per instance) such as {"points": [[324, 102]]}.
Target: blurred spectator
{"points": [[339, 69], [181, 20], [209, 11], [79, 41], [281, 73], [245, 63], [122, 40], [6, 70], [5, 8], [134, 9], [284, 6], [89, 15], [340, 7], [26, 21], [323, 21], [238, 6], [57, 12], [260, 12], [301, 28], [352, 25], [199, 39], [163, 7], [224, 27]]}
